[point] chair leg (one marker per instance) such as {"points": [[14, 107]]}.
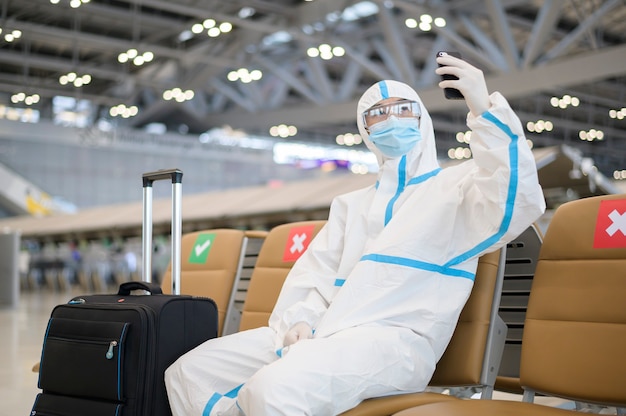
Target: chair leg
{"points": [[529, 396], [487, 393]]}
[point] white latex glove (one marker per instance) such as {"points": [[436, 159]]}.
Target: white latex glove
{"points": [[298, 332], [471, 82]]}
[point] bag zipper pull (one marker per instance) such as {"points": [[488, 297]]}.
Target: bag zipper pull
{"points": [[109, 353]]}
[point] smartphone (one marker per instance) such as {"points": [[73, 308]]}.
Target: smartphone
{"points": [[450, 93]]}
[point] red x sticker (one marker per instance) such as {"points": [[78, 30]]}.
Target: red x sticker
{"points": [[611, 224], [297, 242]]}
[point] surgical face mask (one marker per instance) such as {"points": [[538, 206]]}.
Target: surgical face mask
{"points": [[394, 137]]}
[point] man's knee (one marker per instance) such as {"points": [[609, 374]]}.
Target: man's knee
{"points": [[268, 389]]}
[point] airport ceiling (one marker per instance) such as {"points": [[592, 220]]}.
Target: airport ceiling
{"points": [[530, 50]]}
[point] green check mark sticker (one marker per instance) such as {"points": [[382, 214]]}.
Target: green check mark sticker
{"points": [[201, 248]]}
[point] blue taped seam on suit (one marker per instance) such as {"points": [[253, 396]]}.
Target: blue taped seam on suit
{"points": [[510, 198], [399, 190], [211, 403], [119, 364], [416, 264], [384, 91], [423, 177], [340, 282], [216, 398], [402, 187]]}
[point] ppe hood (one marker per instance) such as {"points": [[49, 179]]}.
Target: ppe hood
{"points": [[423, 157]]}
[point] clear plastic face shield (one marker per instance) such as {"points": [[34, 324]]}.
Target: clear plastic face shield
{"points": [[399, 109]]}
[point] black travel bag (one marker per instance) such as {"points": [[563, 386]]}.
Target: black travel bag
{"points": [[105, 355]]}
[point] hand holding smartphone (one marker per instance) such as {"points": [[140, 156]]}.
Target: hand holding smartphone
{"points": [[450, 93]]}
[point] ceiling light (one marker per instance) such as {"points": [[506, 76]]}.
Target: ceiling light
{"points": [[135, 57], [11, 36], [246, 12], [178, 95], [225, 27], [425, 23], [74, 79], [283, 130], [564, 101], [618, 114], [348, 139], [123, 111], [74, 4], [326, 51], [26, 99], [591, 135], [464, 137], [440, 22], [359, 10], [539, 126], [410, 23], [459, 153], [244, 75], [275, 38]]}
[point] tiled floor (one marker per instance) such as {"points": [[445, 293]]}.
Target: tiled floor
{"points": [[21, 334], [21, 330]]}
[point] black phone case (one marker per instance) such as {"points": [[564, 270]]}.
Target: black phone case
{"points": [[451, 93]]}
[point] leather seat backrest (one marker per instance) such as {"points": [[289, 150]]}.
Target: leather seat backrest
{"points": [[461, 364], [210, 261], [575, 328], [281, 248]]}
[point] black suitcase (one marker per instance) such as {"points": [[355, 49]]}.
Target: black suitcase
{"points": [[106, 354]]}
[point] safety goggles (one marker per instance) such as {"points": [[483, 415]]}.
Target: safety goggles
{"points": [[401, 108]]}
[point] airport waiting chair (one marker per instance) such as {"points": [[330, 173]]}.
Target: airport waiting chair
{"points": [[211, 262], [473, 355], [521, 261], [575, 328], [281, 248]]}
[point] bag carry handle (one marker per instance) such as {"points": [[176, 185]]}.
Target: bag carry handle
{"points": [[126, 288]]}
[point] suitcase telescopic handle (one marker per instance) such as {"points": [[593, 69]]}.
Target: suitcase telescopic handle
{"points": [[176, 176]]}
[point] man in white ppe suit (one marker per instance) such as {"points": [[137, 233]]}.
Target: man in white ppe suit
{"points": [[370, 307]]}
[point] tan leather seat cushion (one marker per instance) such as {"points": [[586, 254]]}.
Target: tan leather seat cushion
{"points": [[383, 406], [472, 407]]}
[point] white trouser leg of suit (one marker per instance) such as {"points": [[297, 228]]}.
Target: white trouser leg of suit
{"points": [[363, 361], [200, 381]]}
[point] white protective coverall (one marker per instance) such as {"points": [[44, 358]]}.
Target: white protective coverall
{"points": [[382, 284]]}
